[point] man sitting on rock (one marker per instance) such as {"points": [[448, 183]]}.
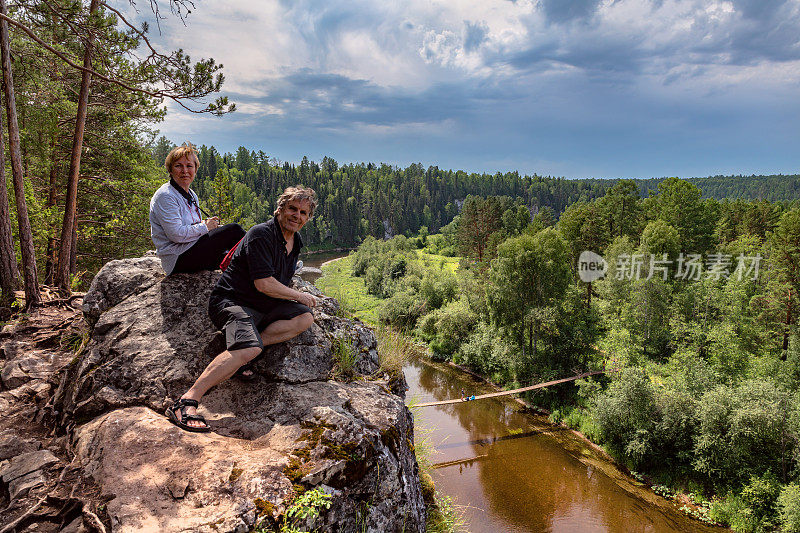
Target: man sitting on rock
{"points": [[253, 302]]}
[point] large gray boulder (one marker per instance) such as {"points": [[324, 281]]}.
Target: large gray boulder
{"points": [[118, 280], [294, 428]]}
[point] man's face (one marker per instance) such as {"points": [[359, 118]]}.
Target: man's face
{"points": [[294, 215]]}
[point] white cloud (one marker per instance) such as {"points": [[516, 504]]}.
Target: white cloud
{"points": [[428, 68]]}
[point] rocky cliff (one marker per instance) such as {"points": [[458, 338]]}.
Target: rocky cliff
{"points": [[293, 429]]}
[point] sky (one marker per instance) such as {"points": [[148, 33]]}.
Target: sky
{"points": [[573, 88]]}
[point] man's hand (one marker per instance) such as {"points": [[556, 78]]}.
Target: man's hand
{"points": [[307, 300], [212, 223]]}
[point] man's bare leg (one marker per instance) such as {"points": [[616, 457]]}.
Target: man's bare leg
{"points": [[221, 368], [228, 362], [283, 330]]}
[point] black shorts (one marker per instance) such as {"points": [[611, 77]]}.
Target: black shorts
{"points": [[242, 325]]}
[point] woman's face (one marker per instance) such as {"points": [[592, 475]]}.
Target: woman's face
{"points": [[183, 171]]}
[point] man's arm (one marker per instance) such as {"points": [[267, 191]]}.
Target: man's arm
{"points": [[274, 288]]}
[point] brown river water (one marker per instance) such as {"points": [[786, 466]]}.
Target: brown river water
{"points": [[513, 471]]}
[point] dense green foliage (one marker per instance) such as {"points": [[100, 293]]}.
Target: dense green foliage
{"points": [[365, 199], [773, 188], [696, 315], [117, 174]]}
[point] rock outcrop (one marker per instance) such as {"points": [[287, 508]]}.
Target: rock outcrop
{"points": [[292, 429]]}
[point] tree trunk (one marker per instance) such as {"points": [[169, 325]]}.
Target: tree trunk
{"points": [[73, 251], [32, 297], [64, 271], [787, 327], [9, 275], [50, 265]]}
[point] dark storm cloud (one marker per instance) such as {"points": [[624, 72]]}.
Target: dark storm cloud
{"points": [[474, 35], [757, 31], [335, 101], [560, 11], [594, 56], [766, 30]]}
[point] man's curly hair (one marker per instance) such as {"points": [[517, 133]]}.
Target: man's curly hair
{"points": [[298, 192]]}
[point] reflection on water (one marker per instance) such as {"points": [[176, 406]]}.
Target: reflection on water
{"points": [[516, 472]]}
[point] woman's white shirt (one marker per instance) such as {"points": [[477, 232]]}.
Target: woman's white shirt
{"points": [[174, 224]]}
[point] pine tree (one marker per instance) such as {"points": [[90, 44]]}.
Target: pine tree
{"points": [[220, 200]]}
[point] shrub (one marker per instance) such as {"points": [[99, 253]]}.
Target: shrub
{"points": [[760, 496], [373, 279], [581, 420], [789, 508], [485, 352], [675, 428], [401, 310], [305, 508], [395, 267], [437, 288], [753, 511], [742, 432], [626, 415], [726, 511], [446, 328]]}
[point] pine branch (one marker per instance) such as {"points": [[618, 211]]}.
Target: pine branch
{"points": [[215, 109]]}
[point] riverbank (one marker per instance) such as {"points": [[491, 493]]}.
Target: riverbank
{"points": [[338, 279], [314, 250]]}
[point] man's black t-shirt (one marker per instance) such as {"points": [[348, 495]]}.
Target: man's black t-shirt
{"points": [[262, 254]]}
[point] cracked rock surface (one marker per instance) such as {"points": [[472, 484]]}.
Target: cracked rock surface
{"points": [[292, 429]]}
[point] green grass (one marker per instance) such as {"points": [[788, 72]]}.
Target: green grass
{"points": [[344, 356], [338, 282], [395, 349], [442, 261], [444, 516]]}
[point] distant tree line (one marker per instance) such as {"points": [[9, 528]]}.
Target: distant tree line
{"points": [[358, 200], [772, 188]]}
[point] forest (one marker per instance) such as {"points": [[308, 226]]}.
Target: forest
{"points": [[694, 321], [82, 88], [381, 200]]}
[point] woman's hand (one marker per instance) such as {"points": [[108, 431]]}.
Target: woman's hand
{"points": [[212, 223]]}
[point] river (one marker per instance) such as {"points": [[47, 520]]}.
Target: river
{"points": [[513, 471], [316, 260]]}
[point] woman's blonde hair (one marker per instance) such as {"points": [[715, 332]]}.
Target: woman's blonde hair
{"points": [[298, 192], [186, 150]]}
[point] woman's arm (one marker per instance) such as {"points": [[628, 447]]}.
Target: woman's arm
{"points": [[167, 212]]}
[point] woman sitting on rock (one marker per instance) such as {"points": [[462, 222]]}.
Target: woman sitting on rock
{"points": [[184, 241]]}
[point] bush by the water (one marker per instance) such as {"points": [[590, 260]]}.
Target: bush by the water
{"points": [[698, 311]]}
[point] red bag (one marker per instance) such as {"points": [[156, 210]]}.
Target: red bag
{"points": [[227, 259]]}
